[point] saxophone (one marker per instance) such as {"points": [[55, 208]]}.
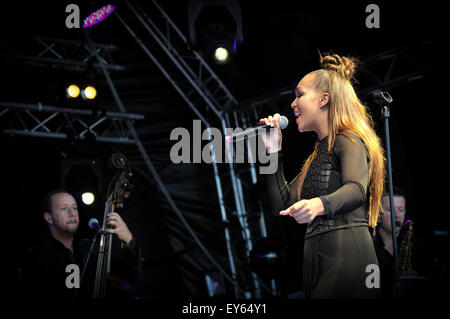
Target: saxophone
{"points": [[405, 250]]}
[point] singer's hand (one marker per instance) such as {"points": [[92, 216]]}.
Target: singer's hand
{"points": [[120, 228], [304, 211], [272, 139]]}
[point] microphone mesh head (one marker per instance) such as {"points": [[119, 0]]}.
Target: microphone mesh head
{"points": [[283, 121], [92, 223]]}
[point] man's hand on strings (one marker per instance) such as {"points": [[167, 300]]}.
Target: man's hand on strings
{"points": [[119, 228]]}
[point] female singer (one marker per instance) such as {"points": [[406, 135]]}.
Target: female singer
{"points": [[338, 191]]}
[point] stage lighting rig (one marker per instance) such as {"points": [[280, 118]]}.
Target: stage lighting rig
{"points": [[88, 198], [73, 91], [89, 93], [98, 15], [215, 29]]}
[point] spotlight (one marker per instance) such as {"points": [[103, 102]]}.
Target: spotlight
{"points": [[215, 29], [89, 93], [73, 91], [98, 15], [221, 55], [88, 198]]}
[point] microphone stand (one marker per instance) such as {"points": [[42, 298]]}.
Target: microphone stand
{"points": [[384, 99], [94, 240]]}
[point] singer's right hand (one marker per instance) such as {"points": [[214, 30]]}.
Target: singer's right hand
{"points": [[272, 139]]}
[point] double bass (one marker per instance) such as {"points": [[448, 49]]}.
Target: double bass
{"points": [[118, 191]]}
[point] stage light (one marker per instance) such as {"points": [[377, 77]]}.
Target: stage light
{"points": [[89, 93], [88, 198], [221, 51], [73, 91], [215, 29], [221, 55], [98, 15]]}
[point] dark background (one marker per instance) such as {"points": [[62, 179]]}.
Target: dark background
{"points": [[281, 43]]}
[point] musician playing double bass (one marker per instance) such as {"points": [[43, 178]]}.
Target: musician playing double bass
{"points": [[45, 272]]}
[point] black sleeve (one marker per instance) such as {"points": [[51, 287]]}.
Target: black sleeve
{"points": [[281, 194], [133, 257], [353, 159], [126, 261]]}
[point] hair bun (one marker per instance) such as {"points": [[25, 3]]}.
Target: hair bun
{"points": [[344, 66]]}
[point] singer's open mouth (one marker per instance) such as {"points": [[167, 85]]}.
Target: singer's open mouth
{"points": [[297, 113]]}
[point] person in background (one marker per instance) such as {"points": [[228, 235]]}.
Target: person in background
{"points": [[44, 272], [412, 257]]}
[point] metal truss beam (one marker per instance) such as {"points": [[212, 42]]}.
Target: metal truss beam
{"points": [[393, 68], [68, 54], [399, 68], [206, 95], [53, 122]]}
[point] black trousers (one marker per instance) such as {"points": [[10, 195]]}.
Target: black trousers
{"points": [[334, 265]]}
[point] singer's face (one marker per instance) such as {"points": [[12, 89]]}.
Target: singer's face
{"points": [[400, 210], [306, 105], [64, 213]]}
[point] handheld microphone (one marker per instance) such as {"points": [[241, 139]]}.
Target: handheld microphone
{"points": [[282, 121], [93, 224]]}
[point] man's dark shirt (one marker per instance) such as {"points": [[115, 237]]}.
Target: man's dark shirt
{"points": [[44, 272], [386, 263]]}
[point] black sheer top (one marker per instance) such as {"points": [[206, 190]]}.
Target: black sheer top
{"points": [[339, 178]]}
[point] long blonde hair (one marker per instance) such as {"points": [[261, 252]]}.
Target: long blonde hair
{"points": [[347, 115]]}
